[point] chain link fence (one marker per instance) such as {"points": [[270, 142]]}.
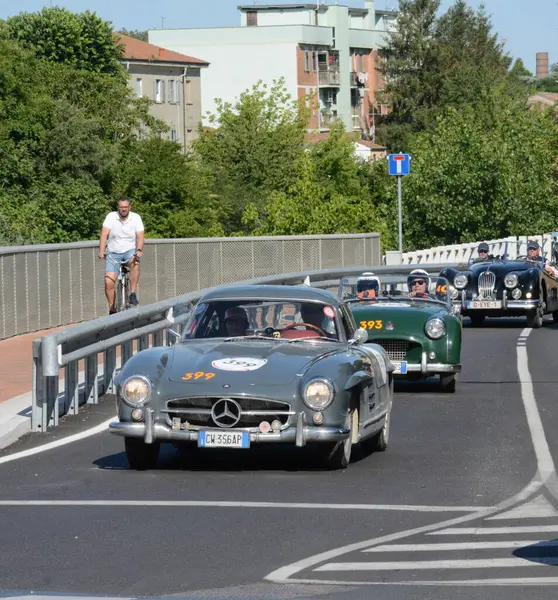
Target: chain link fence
{"points": [[58, 284]]}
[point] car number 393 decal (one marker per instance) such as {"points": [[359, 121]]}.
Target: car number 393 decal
{"points": [[371, 324]]}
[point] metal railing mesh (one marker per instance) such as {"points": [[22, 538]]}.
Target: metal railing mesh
{"points": [[53, 285]]}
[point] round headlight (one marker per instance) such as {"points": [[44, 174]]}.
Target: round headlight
{"points": [[460, 281], [136, 390], [454, 293], [318, 394], [510, 280], [435, 329], [516, 294]]}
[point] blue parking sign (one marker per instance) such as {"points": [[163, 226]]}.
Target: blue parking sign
{"points": [[399, 164]]}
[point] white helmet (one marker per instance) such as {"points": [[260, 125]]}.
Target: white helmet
{"points": [[368, 281], [417, 274]]}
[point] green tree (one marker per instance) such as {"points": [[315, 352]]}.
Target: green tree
{"points": [[435, 62], [520, 70], [484, 172], [252, 147], [409, 70], [137, 34], [171, 191], [82, 40]]}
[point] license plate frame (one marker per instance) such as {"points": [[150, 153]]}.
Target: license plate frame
{"points": [[222, 439], [483, 304]]}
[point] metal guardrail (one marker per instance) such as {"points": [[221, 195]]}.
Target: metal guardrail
{"points": [[118, 337], [57, 284]]}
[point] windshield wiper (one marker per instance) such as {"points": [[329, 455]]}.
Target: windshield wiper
{"points": [[318, 339], [251, 337]]}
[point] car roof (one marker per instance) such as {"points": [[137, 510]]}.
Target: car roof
{"points": [[296, 293]]}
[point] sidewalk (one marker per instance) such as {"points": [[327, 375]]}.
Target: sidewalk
{"points": [[16, 371]]}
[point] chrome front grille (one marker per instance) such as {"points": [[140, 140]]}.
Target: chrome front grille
{"points": [[396, 349], [487, 281], [197, 411]]}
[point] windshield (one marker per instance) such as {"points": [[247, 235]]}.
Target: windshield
{"points": [[416, 287], [262, 319]]}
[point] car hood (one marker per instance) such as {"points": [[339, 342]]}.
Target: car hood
{"points": [[395, 316], [257, 361], [502, 268]]}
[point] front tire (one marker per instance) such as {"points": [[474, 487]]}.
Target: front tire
{"points": [[476, 320], [448, 383], [338, 455], [535, 318], [140, 455]]}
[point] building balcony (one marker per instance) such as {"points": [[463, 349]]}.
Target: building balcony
{"points": [[328, 78]]}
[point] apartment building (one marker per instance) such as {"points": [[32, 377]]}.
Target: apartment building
{"points": [[172, 80], [328, 52]]}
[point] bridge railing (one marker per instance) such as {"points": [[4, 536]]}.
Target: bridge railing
{"points": [[88, 355], [461, 252], [57, 284]]}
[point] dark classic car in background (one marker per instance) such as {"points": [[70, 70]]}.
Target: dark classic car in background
{"points": [[501, 286], [412, 318], [259, 364]]}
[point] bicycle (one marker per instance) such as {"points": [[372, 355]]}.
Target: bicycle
{"points": [[122, 287]]}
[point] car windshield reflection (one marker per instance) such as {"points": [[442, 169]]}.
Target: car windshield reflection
{"points": [[263, 319]]}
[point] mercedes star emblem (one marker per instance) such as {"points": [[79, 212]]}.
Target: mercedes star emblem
{"points": [[226, 412]]}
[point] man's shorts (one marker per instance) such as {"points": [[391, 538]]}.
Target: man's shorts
{"points": [[113, 260]]}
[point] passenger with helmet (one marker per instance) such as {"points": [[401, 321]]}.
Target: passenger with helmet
{"points": [[418, 283], [368, 286], [236, 321]]}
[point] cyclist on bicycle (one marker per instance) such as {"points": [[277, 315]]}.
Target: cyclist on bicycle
{"points": [[123, 229]]}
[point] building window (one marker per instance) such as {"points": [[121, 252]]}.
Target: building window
{"points": [[307, 61], [173, 135], [252, 18], [314, 62], [174, 91], [139, 87], [159, 92]]}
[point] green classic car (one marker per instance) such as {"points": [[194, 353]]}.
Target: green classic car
{"points": [[412, 318]]}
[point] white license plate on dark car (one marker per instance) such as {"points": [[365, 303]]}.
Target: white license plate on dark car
{"points": [[476, 304], [224, 439], [400, 367]]}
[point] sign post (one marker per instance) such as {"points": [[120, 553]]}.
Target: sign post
{"points": [[399, 165]]}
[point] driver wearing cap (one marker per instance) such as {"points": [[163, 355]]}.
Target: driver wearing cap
{"points": [[534, 255], [482, 251]]}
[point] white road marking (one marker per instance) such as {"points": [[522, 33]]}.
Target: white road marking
{"points": [[496, 530], [539, 508], [424, 565], [546, 472], [232, 504], [459, 546], [56, 444], [511, 582]]}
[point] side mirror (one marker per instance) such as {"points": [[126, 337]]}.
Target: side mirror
{"points": [[359, 337]]}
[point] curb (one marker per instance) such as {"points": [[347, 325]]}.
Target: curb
{"points": [[15, 419]]}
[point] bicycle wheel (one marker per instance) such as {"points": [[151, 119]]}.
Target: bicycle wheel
{"points": [[126, 291], [118, 305]]}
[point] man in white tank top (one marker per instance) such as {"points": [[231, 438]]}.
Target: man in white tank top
{"points": [[122, 238]]}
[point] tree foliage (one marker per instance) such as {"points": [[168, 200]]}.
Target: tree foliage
{"points": [[483, 173], [82, 40]]}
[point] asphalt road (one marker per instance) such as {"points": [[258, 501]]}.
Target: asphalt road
{"points": [[424, 519]]}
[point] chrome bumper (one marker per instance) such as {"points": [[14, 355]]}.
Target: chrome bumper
{"points": [[300, 434], [433, 368]]}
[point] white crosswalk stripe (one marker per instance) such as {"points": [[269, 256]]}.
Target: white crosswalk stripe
{"points": [[522, 540]]}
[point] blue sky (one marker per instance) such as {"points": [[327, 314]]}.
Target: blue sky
{"points": [[526, 31]]}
